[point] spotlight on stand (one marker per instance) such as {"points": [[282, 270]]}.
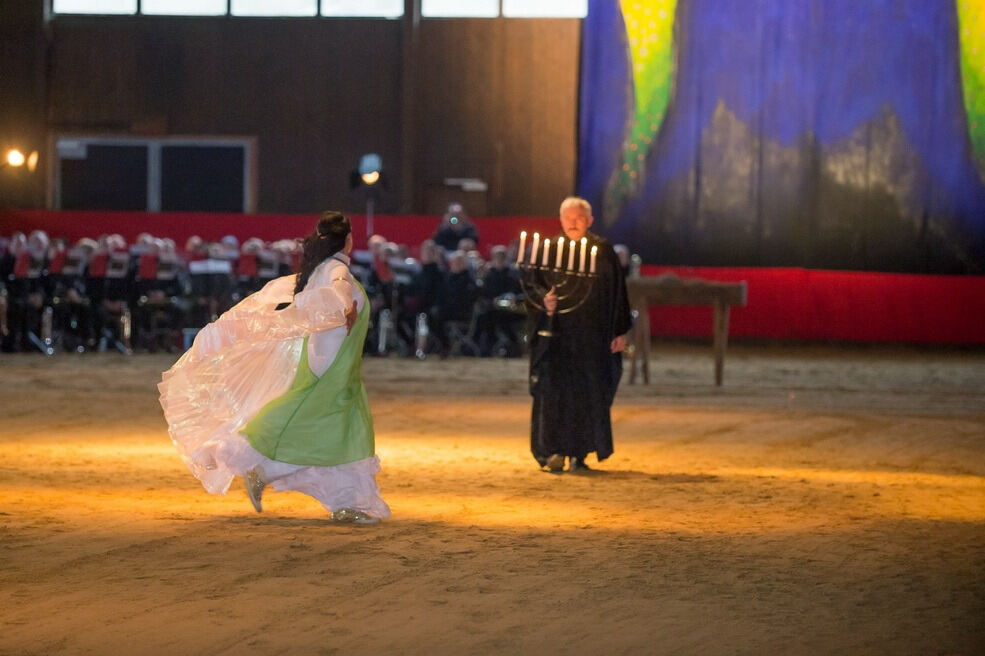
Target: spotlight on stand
{"points": [[369, 176]]}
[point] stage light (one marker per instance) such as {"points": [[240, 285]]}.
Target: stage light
{"points": [[14, 158], [368, 176], [370, 169]]}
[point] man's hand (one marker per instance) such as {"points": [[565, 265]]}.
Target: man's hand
{"points": [[550, 301], [618, 344], [350, 318]]}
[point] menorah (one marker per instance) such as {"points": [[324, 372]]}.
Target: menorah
{"points": [[544, 270]]}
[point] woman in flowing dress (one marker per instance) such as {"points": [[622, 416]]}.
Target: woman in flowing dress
{"points": [[272, 390]]}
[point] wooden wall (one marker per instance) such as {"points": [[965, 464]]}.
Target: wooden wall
{"points": [[316, 94], [22, 89], [495, 99], [499, 101]]}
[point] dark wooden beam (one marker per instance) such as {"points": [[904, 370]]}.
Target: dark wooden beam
{"points": [[408, 114]]}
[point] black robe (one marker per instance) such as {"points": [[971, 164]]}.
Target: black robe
{"points": [[573, 373]]}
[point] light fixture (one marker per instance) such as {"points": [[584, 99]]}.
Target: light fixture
{"points": [[369, 176], [370, 169], [14, 158]]}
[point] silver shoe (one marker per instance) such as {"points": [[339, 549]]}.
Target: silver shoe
{"points": [[353, 516], [555, 463], [578, 466], [254, 488]]}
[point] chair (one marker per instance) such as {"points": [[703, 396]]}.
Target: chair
{"points": [[459, 332]]}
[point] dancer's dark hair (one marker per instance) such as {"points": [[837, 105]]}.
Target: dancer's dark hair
{"points": [[327, 240]]}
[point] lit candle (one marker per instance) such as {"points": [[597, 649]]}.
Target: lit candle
{"points": [[547, 247], [581, 261], [523, 244], [595, 250], [533, 250], [560, 249], [571, 255]]}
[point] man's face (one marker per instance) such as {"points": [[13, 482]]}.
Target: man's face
{"points": [[575, 222]]}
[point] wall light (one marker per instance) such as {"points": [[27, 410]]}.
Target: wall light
{"points": [[14, 158]]}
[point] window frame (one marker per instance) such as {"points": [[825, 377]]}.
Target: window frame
{"points": [[154, 166], [138, 12]]}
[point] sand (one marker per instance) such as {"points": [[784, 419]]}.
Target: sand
{"points": [[824, 500]]}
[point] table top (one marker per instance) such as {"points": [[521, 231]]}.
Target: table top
{"points": [[669, 289]]}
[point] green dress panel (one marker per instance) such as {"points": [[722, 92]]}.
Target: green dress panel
{"points": [[320, 421]]}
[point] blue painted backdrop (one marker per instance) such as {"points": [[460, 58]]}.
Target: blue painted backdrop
{"points": [[797, 132]]}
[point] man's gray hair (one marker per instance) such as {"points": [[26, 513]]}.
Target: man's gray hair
{"points": [[576, 201]]}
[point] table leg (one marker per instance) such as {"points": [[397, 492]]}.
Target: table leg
{"points": [[631, 347], [634, 336], [720, 338]]}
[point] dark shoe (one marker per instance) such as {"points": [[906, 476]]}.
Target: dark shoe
{"points": [[353, 516], [254, 488], [555, 463], [578, 465]]}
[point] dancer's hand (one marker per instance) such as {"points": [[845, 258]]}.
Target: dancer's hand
{"points": [[350, 318], [550, 301]]}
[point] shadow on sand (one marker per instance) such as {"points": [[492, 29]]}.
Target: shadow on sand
{"points": [[629, 475]]}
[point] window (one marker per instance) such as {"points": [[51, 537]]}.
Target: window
{"points": [[460, 8], [206, 174], [369, 8], [330, 8], [274, 7], [202, 178], [184, 7], [103, 176], [545, 8], [94, 6], [506, 8]]}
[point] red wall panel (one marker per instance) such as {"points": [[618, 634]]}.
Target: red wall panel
{"points": [[806, 304]]}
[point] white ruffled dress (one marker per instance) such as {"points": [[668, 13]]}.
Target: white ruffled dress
{"points": [[248, 357]]}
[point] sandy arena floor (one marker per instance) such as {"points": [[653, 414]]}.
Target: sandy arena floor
{"points": [[824, 501]]}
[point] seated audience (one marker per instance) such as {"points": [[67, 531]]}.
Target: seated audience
{"points": [[106, 293], [500, 315], [455, 226], [456, 302]]}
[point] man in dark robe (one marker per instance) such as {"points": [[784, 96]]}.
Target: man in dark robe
{"points": [[576, 357]]}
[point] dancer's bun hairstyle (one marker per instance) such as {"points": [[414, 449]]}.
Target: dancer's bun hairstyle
{"points": [[327, 240]]}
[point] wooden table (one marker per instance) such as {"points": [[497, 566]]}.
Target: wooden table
{"points": [[668, 289]]}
